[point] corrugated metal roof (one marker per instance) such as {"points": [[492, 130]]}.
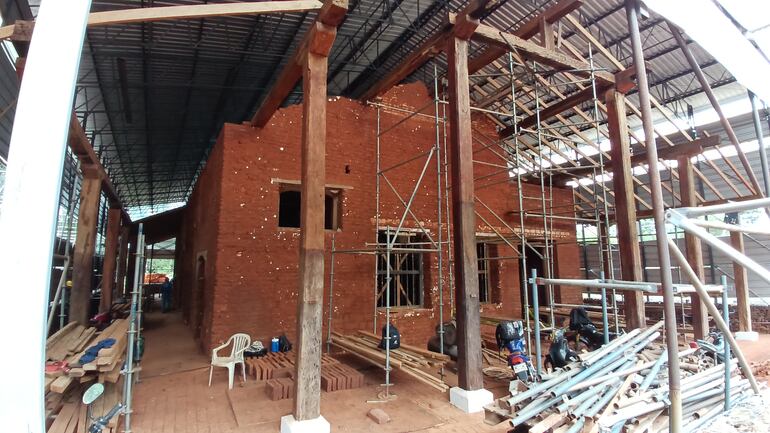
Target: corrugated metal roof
{"points": [[185, 78]]}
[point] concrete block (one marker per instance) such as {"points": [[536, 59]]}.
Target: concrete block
{"points": [[379, 416], [316, 425], [470, 401]]}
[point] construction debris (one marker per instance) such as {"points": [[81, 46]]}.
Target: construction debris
{"points": [[379, 416], [408, 359], [622, 384]]}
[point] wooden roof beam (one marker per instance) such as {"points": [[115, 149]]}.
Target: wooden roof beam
{"points": [[318, 38], [532, 51], [188, 12], [525, 31], [91, 166], [665, 153]]}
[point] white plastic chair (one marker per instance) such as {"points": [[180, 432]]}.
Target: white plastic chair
{"points": [[239, 342]]}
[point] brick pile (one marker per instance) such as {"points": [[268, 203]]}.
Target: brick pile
{"points": [[278, 370]]}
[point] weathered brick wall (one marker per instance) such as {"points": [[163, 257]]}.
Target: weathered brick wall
{"points": [[196, 272], [255, 287]]}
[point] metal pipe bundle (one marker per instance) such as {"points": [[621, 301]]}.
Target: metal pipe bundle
{"points": [[621, 386]]}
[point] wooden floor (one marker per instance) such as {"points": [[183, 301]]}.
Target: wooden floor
{"points": [[174, 396]]}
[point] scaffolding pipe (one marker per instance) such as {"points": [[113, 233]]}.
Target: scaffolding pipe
{"points": [[720, 322], [730, 207], [440, 256], [331, 299], [133, 329], [760, 142], [57, 295], [605, 319], [536, 306], [658, 207], [523, 253], [600, 283], [715, 105], [675, 218], [377, 220], [726, 313]]}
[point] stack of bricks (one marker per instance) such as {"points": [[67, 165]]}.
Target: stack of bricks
{"points": [[337, 377], [280, 388], [278, 370]]}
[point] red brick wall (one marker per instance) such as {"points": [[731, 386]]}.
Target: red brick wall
{"points": [[197, 242], [255, 283]]}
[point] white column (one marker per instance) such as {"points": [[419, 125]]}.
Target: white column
{"points": [[27, 222]]}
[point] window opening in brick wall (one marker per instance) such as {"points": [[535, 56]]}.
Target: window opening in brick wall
{"points": [[406, 272], [290, 207], [483, 258]]}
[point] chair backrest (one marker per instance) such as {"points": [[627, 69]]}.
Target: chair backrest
{"points": [[240, 342]]}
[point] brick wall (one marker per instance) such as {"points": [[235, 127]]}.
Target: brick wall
{"points": [[251, 279]]}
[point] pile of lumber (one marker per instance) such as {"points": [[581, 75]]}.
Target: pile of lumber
{"points": [[335, 376], [71, 342], [622, 386], [408, 359], [65, 413]]}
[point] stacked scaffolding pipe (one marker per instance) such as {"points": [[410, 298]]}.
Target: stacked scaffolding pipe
{"points": [[622, 387]]}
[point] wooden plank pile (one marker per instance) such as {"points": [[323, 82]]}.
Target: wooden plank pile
{"points": [[622, 386], [65, 413], [70, 343], [410, 360]]}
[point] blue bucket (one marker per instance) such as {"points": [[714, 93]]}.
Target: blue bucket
{"points": [[274, 345]]}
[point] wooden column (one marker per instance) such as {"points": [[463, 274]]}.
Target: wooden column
{"points": [[307, 402], [693, 247], [625, 207], [464, 219], [741, 286], [120, 285], [85, 244], [110, 259]]}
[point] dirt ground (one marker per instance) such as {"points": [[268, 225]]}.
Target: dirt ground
{"points": [[174, 397]]}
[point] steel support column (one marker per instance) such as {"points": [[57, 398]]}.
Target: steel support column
{"points": [[675, 391]]}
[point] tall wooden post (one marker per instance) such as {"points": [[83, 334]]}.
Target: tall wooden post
{"points": [[466, 262], [741, 286], [693, 246], [307, 401], [110, 258], [122, 261], [85, 244], [625, 207]]}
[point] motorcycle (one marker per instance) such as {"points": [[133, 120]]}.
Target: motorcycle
{"points": [[509, 335], [560, 354], [92, 394], [588, 335]]}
